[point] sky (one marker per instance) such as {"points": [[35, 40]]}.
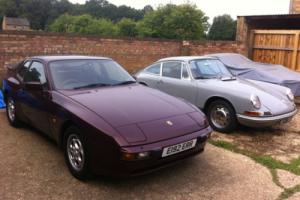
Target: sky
{"points": [[214, 8]]}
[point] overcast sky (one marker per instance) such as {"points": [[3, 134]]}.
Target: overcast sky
{"points": [[217, 7]]}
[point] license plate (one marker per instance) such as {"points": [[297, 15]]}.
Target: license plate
{"points": [[179, 148]]}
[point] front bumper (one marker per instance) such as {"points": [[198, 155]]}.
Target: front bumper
{"points": [[120, 168], [265, 121]]}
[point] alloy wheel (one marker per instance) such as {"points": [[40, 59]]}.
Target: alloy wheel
{"points": [[11, 109], [75, 152]]}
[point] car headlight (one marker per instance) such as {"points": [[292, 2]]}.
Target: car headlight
{"points": [[290, 95], [255, 101]]}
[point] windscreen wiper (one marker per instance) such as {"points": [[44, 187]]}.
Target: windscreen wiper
{"points": [[126, 83], [203, 77], [92, 85]]}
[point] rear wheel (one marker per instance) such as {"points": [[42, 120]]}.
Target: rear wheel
{"points": [[75, 153], [11, 113], [221, 116]]}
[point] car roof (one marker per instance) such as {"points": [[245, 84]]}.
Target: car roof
{"points": [[185, 58], [67, 57], [223, 54]]}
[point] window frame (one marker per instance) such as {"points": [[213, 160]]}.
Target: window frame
{"points": [[19, 68], [183, 64], [46, 84]]}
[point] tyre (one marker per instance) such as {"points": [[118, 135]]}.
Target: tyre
{"points": [[222, 116], [11, 112], [75, 153]]}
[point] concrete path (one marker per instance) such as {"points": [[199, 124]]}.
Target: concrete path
{"points": [[32, 167]]}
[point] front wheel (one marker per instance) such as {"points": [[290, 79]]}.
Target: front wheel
{"points": [[221, 116], [11, 112], [75, 153]]}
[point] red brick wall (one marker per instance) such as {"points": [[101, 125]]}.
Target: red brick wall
{"points": [[133, 54], [208, 47]]}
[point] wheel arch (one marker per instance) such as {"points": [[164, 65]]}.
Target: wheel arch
{"points": [[215, 98], [62, 131]]}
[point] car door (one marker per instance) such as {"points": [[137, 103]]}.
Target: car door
{"points": [[175, 80], [34, 99]]}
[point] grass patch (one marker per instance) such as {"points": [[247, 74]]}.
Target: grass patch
{"points": [[289, 192], [266, 161]]}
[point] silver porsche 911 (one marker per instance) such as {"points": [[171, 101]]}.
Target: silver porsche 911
{"points": [[226, 100]]}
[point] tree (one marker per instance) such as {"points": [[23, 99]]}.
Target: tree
{"points": [[62, 24], [127, 27], [41, 13], [10, 8], [223, 28], [84, 24], [174, 22]]}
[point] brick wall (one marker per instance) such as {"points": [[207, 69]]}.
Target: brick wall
{"points": [[133, 54], [208, 47]]}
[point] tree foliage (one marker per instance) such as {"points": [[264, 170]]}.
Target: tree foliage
{"points": [[127, 27], [174, 22], [223, 28], [84, 24], [41, 13]]}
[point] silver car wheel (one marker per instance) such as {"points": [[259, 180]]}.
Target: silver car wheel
{"points": [[220, 116], [75, 152], [11, 109]]}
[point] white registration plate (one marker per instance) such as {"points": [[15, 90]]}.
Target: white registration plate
{"points": [[179, 148]]}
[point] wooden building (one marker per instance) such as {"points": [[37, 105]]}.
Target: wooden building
{"points": [[271, 38], [11, 23], [295, 7]]}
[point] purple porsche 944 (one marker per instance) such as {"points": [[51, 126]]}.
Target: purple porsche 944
{"points": [[105, 122]]}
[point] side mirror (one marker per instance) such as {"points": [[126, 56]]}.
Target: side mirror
{"points": [[36, 86]]}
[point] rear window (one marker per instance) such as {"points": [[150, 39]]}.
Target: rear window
{"points": [[154, 69]]}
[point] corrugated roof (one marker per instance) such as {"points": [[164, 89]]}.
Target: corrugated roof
{"points": [[17, 21]]}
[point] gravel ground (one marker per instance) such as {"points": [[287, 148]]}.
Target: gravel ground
{"points": [[282, 142], [32, 167]]}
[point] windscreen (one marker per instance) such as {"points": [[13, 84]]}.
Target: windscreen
{"points": [[208, 68], [76, 74]]}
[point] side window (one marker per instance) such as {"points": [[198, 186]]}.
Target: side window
{"points": [[23, 69], [154, 69], [185, 74], [172, 70], [36, 73]]}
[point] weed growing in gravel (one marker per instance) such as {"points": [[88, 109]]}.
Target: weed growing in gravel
{"points": [[269, 162]]}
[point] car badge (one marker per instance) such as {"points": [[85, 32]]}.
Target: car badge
{"points": [[169, 123]]}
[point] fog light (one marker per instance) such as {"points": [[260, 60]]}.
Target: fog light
{"points": [[128, 156], [143, 155], [135, 156]]}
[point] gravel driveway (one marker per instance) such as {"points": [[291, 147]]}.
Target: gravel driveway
{"points": [[32, 167]]}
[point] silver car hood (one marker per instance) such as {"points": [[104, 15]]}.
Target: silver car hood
{"points": [[272, 97]]}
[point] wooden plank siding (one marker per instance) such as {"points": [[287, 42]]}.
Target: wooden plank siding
{"points": [[276, 47]]}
